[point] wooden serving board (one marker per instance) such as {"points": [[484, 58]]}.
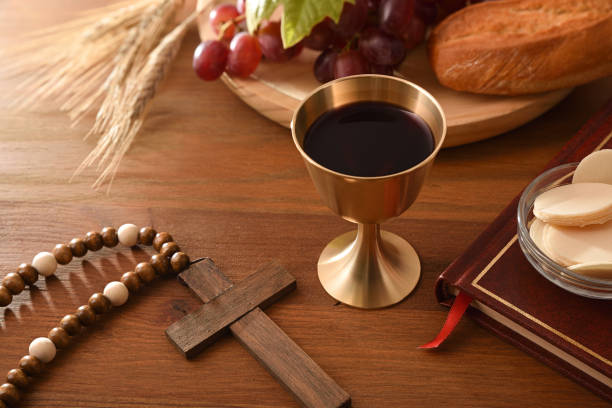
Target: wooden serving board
{"points": [[276, 89]]}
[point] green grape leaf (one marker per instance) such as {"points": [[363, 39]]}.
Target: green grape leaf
{"points": [[299, 16], [258, 10]]}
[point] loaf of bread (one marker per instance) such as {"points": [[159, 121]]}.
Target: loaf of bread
{"points": [[513, 47]]}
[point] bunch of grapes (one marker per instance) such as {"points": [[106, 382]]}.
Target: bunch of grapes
{"points": [[371, 36], [374, 36]]}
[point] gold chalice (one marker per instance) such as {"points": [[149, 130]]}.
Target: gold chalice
{"points": [[369, 268]]}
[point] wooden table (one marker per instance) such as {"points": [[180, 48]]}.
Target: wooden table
{"points": [[229, 184]]}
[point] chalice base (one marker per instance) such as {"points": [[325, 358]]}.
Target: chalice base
{"points": [[369, 268]]}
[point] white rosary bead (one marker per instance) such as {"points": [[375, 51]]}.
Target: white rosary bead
{"points": [[116, 292], [45, 263], [43, 349], [128, 234]]}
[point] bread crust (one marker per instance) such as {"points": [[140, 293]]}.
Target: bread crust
{"points": [[513, 47]]}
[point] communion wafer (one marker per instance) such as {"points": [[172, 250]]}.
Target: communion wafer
{"points": [[595, 168], [598, 270], [536, 232], [577, 245], [577, 204]]}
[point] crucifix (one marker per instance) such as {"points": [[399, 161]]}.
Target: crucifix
{"points": [[237, 308]]}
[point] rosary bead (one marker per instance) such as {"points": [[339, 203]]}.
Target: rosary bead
{"points": [[128, 235], [28, 273], [93, 241], [9, 394], [31, 365], [161, 264], [131, 281], [99, 303], [5, 296], [109, 237], [86, 315], [43, 349], [63, 254], [18, 378], [179, 262], [117, 293], [160, 239], [146, 235], [59, 337], [78, 248], [71, 324], [145, 272], [45, 263], [169, 249], [14, 283]]}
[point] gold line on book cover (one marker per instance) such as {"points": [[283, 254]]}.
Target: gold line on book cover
{"points": [[522, 312]]}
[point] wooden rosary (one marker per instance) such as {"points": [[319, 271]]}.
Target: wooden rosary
{"points": [[170, 260]]}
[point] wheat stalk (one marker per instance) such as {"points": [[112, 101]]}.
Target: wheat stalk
{"points": [[120, 129]]}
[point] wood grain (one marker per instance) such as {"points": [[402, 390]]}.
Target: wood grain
{"points": [[288, 363], [228, 184]]}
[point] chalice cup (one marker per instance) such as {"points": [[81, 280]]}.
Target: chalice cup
{"points": [[369, 268]]}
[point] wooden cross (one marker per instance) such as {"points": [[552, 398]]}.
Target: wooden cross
{"points": [[237, 308]]}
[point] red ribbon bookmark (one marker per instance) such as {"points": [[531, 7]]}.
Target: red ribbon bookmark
{"points": [[458, 308]]}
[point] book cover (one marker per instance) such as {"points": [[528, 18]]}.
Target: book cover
{"points": [[568, 332]]}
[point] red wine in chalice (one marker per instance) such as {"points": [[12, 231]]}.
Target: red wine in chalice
{"points": [[369, 139]]}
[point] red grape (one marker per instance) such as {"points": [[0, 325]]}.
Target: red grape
{"points": [[209, 59], [350, 62], [415, 34], [324, 65], [352, 19], [221, 14], [244, 55], [426, 10], [395, 15], [449, 6], [381, 69], [373, 5], [321, 36], [271, 43], [241, 6], [381, 48]]}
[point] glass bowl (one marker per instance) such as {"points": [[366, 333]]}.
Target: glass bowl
{"points": [[557, 274]]}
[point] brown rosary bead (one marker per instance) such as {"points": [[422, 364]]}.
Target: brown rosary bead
{"points": [[59, 337], [93, 241], [14, 283], [161, 264], [62, 254], [18, 378], [9, 394], [28, 273], [169, 249], [86, 315], [145, 272], [146, 235], [31, 365], [131, 281], [78, 248], [99, 303], [160, 239], [109, 237], [70, 323], [179, 262], [5, 296]]}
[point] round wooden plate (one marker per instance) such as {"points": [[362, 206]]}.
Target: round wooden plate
{"points": [[276, 89]]}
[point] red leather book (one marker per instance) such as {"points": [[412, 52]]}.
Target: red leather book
{"points": [[568, 332]]}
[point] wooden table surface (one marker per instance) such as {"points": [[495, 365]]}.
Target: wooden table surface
{"points": [[230, 185]]}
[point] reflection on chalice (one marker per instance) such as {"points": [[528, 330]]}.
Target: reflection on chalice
{"points": [[368, 142]]}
